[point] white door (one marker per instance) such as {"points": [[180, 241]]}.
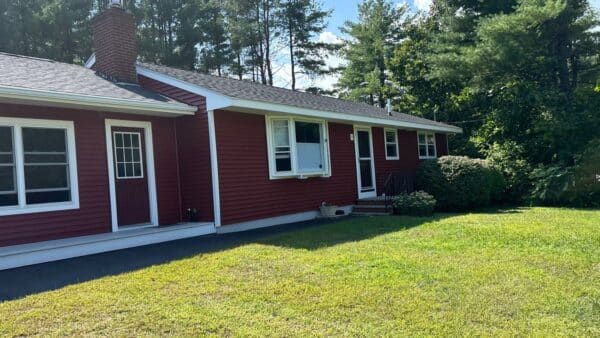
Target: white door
{"points": [[365, 165]]}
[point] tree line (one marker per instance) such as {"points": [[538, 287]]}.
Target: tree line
{"points": [[225, 37]]}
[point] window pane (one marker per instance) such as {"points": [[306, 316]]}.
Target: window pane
{"points": [[366, 178], [6, 144], [364, 144], [48, 197], [126, 140], [390, 137], [137, 170], [423, 151], [118, 140], [308, 132], [310, 157], [8, 200], [431, 151], [281, 136], [7, 179], [6, 159], [45, 158], [283, 162], [391, 150], [46, 177], [430, 139], [120, 155], [44, 140], [422, 139], [129, 169], [135, 140], [128, 155], [121, 170], [136, 155]]}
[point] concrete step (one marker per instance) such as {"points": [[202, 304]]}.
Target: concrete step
{"points": [[367, 202], [371, 209]]}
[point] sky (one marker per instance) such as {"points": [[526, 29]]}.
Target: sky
{"points": [[344, 10]]}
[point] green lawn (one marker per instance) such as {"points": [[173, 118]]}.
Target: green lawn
{"points": [[520, 272]]}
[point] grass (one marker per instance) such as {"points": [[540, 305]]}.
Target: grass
{"points": [[533, 272]]}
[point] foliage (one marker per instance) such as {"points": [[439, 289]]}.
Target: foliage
{"points": [[418, 203], [460, 183], [577, 185]]}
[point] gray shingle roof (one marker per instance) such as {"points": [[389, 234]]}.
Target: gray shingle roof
{"points": [[47, 75], [248, 90]]}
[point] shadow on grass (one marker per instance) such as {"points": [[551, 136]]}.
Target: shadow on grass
{"points": [[312, 235]]}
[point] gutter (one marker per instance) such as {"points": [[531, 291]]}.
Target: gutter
{"points": [[92, 101]]}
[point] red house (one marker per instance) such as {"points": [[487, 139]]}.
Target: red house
{"points": [[120, 154]]}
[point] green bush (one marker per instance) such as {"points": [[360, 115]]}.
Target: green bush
{"points": [[418, 203], [460, 183], [577, 185], [509, 159]]}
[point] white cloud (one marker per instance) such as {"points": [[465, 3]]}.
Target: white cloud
{"points": [[423, 5]]}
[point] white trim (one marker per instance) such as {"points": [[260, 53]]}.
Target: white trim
{"points": [[43, 252], [214, 167], [216, 100], [17, 124], [385, 142], [364, 194], [278, 220], [419, 144], [90, 61], [149, 149], [93, 101], [295, 173]]}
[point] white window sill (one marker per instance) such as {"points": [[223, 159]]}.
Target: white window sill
{"points": [[51, 207], [299, 176], [427, 157], [392, 158]]}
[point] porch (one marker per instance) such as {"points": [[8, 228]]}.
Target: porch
{"points": [[42, 252]]}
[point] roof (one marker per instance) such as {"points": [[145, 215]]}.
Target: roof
{"points": [[42, 75], [252, 91]]}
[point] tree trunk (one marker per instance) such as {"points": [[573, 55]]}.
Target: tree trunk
{"points": [[292, 61]]}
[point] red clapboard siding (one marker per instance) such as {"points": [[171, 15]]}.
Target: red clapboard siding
{"points": [[247, 193], [94, 215], [193, 150], [408, 150], [441, 145]]}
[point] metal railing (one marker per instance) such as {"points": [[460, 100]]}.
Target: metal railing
{"points": [[395, 184]]}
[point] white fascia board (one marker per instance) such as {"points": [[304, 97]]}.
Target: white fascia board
{"points": [[264, 106], [91, 101], [214, 100]]}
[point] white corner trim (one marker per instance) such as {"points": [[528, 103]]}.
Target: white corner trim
{"points": [[43, 252], [278, 220], [90, 61], [214, 168], [149, 149], [214, 100], [92, 101]]}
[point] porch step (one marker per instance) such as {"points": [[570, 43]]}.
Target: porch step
{"points": [[370, 210]]}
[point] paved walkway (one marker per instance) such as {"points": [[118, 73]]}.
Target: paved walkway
{"points": [[21, 282]]}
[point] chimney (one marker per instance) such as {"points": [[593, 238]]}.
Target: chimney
{"points": [[115, 43]]}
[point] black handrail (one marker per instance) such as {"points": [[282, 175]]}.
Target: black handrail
{"points": [[397, 183]]}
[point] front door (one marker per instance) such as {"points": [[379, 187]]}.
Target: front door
{"points": [[365, 163], [131, 178]]}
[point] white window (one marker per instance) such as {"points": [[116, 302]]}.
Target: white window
{"points": [[427, 145], [37, 166], [128, 150], [391, 144], [297, 147]]}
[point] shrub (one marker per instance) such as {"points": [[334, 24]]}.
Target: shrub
{"points": [[460, 183], [508, 158], [418, 203]]}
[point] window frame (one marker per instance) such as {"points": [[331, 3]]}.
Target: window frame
{"points": [[294, 172], [140, 154], [386, 144], [22, 207], [426, 144]]}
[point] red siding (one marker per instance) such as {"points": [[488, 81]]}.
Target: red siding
{"points": [[193, 150], [408, 150], [441, 144], [247, 193], [93, 217]]}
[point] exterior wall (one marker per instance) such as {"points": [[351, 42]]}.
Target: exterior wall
{"points": [[247, 193], [94, 214], [441, 144], [193, 151], [407, 148]]}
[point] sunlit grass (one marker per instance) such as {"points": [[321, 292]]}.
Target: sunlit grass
{"points": [[526, 272]]}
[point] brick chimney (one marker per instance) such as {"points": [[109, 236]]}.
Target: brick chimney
{"points": [[115, 43]]}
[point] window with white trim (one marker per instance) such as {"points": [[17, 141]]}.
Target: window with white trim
{"points": [[128, 150], [391, 144], [297, 147], [427, 147], [36, 166]]}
